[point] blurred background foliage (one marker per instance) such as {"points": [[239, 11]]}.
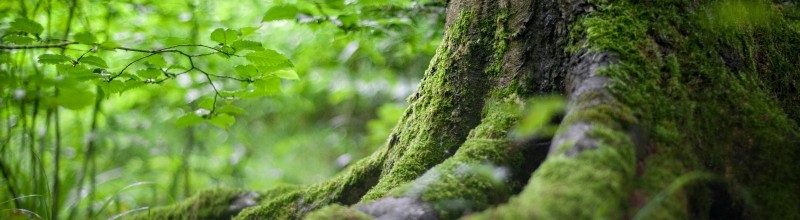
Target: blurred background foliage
{"points": [[357, 61]]}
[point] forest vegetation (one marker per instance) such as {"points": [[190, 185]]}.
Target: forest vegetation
{"points": [[399, 109]]}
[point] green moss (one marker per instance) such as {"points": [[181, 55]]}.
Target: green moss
{"points": [[590, 185], [336, 212], [659, 172], [463, 183], [208, 204], [477, 176], [588, 109], [716, 94], [447, 105], [346, 188]]}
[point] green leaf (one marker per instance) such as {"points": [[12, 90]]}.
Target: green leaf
{"points": [[66, 69], [271, 69], [329, 5], [206, 103], [349, 20], [53, 59], [113, 87], [539, 114], [26, 25], [109, 45], [224, 36], [85, 38], [247, 31], [188, 119], [246, 71], [130, 76], [225, 51], [280, 12], [132, 84], [230, 109], [268, 86], [149, 73], [156, 60], [266, 58], [287, 74], [19, 40], [223, 120], [177, 67], [373, 2], [78, 72], [94, 61], [240, 45], [75, 99]]}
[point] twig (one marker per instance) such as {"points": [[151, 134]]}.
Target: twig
{"points": [[43, 46]]}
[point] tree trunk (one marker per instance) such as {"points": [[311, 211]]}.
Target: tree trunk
{"points": [[677, 109]]}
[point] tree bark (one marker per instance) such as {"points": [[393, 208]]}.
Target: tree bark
{"points": [[677, 109]]}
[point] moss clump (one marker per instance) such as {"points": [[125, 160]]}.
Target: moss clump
{"points": [[464, 184], [448, 104], [478, 175], [716, 94], [345, 188], [336, 212], [590, 185], [208, 204]]}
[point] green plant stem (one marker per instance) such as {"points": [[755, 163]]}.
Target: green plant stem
{"points": [[7, 176], [47, 122], [8, 128], [56, 161], [5, 172], [35, 162], [190, 142], [23, 9], [88, 159], [23, 117], [57, 156]]}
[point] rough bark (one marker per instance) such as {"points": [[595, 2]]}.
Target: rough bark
{"points": [[677, 109]]}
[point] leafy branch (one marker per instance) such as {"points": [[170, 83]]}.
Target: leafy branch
{"points": [[265, 69]]}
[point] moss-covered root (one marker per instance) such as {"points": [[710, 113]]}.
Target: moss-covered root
{"points": [[476, 177], [446, 106], [591, 165], [346, 188], [590, 185], [714, 85], [462, 184], [219, 203], [337, 212]]}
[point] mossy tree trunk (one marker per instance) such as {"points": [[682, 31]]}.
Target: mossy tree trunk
{"points": [[677, 109]]}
